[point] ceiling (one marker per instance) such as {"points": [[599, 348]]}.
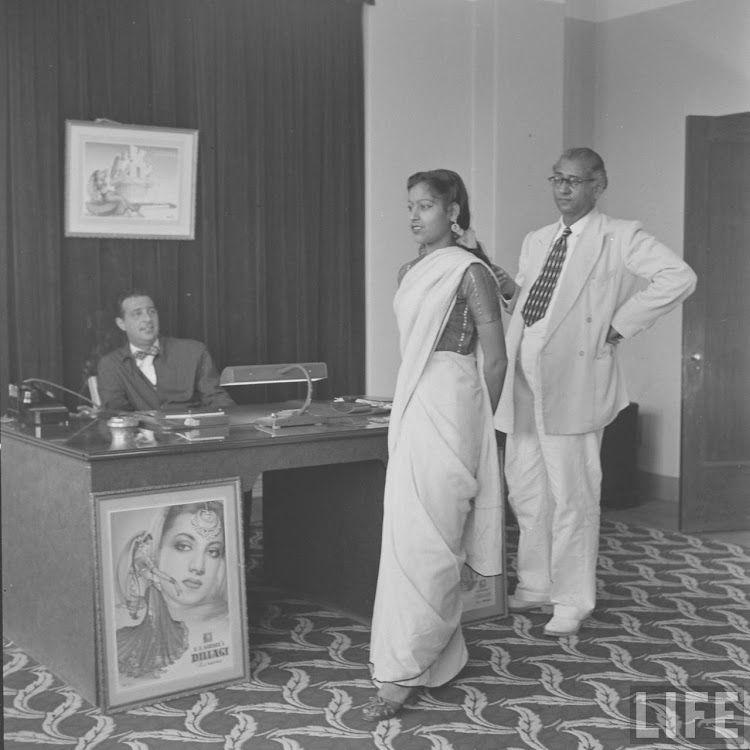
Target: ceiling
{"points": [[608, 10]]}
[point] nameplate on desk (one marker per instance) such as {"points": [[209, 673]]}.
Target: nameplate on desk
{"points": [[218, 432], [180, 420]]}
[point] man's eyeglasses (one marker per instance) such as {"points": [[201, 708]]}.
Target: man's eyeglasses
{"points": [[571, 182]]}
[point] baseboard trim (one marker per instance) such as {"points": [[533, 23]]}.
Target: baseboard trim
{"points": [[658, 486]]}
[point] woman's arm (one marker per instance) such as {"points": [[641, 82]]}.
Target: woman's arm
{"points": [[492, 341], [482, 299]]}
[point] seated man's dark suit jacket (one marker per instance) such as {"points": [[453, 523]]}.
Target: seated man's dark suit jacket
{"points": [[185, 376]]}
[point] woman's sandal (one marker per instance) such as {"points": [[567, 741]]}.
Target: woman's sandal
{"points": [[379, 708]]}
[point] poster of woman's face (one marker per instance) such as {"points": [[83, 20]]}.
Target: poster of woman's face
{"points": [[171, 608]]}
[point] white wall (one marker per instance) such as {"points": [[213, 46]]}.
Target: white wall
{"points": [[455, 84], [652, 70], [478, 87], [580, 83]]}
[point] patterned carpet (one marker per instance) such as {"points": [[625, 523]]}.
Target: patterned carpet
{"points": [[673, 613]]}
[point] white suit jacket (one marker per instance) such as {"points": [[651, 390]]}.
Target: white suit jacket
{"points": [[582, 382]]}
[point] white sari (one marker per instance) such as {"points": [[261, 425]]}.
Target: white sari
{"points": [[443, 504]]}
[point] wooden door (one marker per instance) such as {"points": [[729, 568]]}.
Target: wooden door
{"points": [[715, 462]]}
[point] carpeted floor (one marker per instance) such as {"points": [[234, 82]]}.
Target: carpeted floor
{"points": [[673, 613]]}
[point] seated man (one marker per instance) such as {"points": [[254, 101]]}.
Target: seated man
{"points": [[152, 372]]}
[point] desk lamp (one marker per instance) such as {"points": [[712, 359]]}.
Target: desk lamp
{"points": [[307, 372]]}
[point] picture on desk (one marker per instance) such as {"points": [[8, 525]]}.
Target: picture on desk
{"points": [[171, 608]]}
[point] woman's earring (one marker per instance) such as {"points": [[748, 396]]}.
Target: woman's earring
{"points": [[456, 229]]}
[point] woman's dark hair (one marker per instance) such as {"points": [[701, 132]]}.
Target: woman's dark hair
{"points": [[449, 188]]}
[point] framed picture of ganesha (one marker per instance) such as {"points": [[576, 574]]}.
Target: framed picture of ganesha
{"points": [[171, 616]]}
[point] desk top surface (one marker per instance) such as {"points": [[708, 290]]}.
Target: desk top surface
{"points": [[90, 439]]}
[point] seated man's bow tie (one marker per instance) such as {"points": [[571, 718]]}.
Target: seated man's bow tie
{"points": [[150, 351]]}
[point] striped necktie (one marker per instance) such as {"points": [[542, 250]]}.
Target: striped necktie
{"points": [[537, 302]]}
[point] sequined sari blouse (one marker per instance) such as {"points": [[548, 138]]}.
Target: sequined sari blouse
{"points": [[476, 303]]}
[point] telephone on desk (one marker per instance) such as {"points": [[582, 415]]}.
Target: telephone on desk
{"points": [[35, 405]]}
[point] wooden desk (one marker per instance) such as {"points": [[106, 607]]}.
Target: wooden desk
{"points": [[323, 491]]}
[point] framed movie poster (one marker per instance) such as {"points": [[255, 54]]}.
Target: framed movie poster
{"points": [[482, 596], [171, 616], [485, 596], [129, 181]]}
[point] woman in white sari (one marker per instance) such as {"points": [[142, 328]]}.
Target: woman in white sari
{"points": [[443, 504]]}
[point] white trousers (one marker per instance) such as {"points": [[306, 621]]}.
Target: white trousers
{"points": [[554, 486]]}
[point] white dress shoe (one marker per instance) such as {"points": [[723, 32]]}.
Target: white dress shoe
{"points": [[516, 604], [559, 626]]}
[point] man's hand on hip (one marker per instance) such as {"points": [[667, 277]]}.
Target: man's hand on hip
{"points": [[613, 337]]}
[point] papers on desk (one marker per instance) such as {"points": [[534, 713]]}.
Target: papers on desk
{"points": [[359, 403], [340, 414], [377, 403]]}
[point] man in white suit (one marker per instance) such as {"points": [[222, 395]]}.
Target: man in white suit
{"points": [[579, 291]]}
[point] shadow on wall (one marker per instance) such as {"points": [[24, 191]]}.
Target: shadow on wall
{"points": [[102, 336]]}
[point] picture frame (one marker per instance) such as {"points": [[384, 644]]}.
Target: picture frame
{"points": [[171, 615], [482, 597], [134, 181]]}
